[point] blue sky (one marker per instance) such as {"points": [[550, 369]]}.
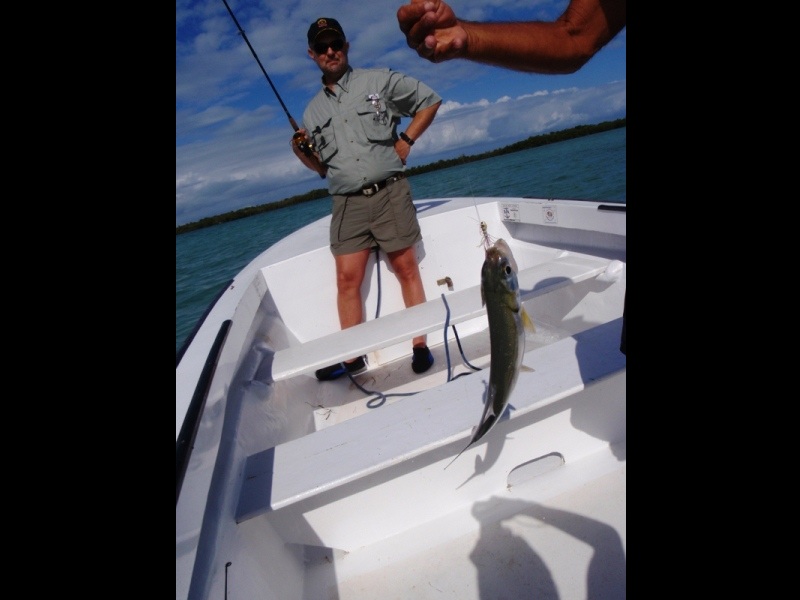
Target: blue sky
{"points": [[232, 136]]}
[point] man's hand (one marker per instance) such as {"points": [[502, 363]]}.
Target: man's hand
{"points": [[301, 146], [402, 149], [301, 142], [432, 29]]}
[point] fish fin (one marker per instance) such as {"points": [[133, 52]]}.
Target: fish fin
{"points": [[527, 322], [526, 369]]}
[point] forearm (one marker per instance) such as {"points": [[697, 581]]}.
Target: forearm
{"points": [[422, 120], [561, 46], [536, 47]]}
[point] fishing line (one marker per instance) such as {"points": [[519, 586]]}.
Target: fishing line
{"points": [[486, 239], [305, 146]]}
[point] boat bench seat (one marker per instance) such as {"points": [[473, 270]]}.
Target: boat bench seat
{"points": [[422, 319], [387, 442]]}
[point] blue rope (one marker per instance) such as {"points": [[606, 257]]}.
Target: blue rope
{"points": [[380, 396], [378, 272], [458, 341], [446, 325]]}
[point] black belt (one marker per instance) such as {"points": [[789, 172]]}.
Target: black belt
{"points": [[377, 187]]}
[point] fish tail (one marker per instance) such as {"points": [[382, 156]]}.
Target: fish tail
{"points": [[459, 454]]}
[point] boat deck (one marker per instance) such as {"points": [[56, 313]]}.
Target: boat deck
{"points": [[504, 546], [393, 381]]}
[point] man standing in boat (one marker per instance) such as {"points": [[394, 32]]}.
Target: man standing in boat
{"points": [[349, 135]]}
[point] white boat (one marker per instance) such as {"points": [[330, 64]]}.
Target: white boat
{"points": [[290, 488]]}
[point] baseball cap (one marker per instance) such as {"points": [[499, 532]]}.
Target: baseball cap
{"points": [[323, 24]]}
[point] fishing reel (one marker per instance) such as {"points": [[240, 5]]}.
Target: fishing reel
{"points": [[306, 145]]}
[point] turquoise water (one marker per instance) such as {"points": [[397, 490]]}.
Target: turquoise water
{"points": [[587, 168]]}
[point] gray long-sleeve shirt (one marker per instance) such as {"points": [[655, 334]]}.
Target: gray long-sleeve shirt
{"points": [[354, 129]]}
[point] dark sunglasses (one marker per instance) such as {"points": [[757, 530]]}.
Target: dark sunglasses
{"points": [[322, 47]]}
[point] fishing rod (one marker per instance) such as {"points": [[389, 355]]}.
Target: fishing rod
{"points": [[304, 144]]}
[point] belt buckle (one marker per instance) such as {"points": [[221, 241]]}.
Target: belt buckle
{"points": [[369, 191]]}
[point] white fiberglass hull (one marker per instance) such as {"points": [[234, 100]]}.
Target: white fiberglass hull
{"points": [[292, 488]]}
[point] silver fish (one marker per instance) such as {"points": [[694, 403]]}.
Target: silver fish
{"points": [[508, 321]]}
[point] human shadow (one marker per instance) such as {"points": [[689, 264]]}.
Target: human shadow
{"points": [[506, 561]]}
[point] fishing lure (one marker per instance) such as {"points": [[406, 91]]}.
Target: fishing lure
{"points": [[487, 241]]}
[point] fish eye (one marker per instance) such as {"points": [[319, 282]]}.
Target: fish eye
{"points": [[508, 270]]}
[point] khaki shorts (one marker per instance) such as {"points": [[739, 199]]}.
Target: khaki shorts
{"points": [[388, 218]]}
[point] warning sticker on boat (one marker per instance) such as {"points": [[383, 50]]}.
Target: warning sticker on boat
{"points": [[510, 211], [549, 214]]}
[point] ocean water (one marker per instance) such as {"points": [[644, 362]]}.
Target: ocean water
{"points": [[586, 168]]}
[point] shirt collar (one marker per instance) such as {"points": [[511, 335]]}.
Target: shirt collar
{"points": [[344, 81]]}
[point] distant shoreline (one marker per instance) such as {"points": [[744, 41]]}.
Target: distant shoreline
{"points": [[531, 142]]}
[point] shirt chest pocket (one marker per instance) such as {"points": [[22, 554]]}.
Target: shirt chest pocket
{"points": [[376, 123]]}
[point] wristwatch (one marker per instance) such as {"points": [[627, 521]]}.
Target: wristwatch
{"points": [[406, 139]]}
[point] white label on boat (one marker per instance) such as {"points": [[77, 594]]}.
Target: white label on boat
{"points": [[549, 214], [510, 211]]}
